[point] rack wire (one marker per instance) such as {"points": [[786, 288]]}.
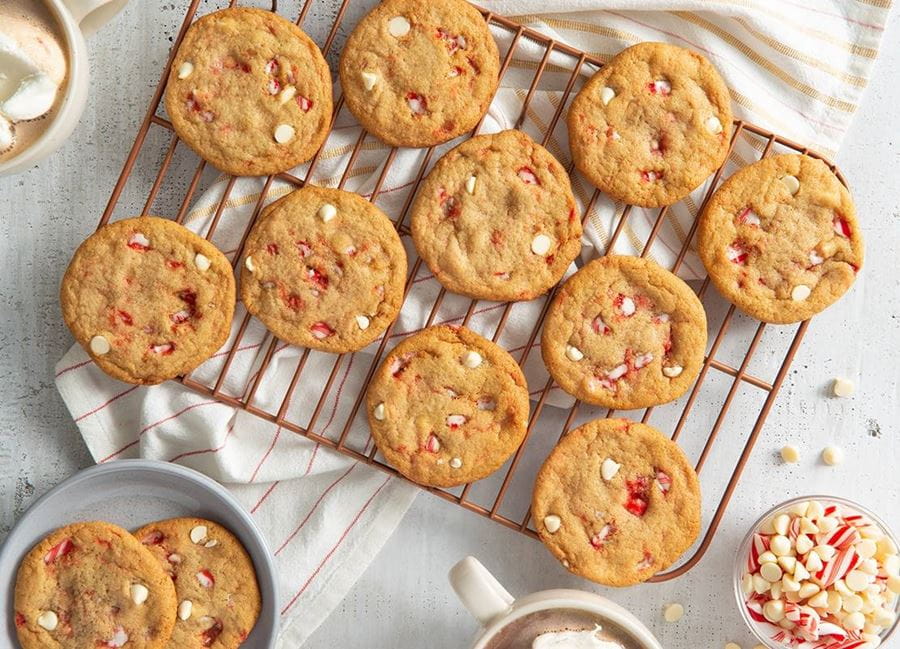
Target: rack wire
{"points": [[736, 374]]}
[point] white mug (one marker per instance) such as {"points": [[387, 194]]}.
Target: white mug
{"points": [[494, 608], [77, 19]]}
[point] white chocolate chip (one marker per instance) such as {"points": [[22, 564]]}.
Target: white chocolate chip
{"points": [[327, 212], [732, 645], [185, 70], [540, 245], [362, 322], [139, 593], [781, 523], [48, 620], [249, 265], [202, 262], [672, 371], [472, 359], [832, 455], [800, 292], [211, 543], [792, 184], [100, 345], [184, 609], [607, 95], [470, 184], [120, 637], [713, 125], [287, 94], [398, 26], [552, 523], [609, 468], [790, 453], [673, 612], [774, 611], [198, 534], [378, 412], [780, 545], [628, 307], [455, 463], [284, 133], [369, 79], [842, 387], [770, 572], [573, 353]]}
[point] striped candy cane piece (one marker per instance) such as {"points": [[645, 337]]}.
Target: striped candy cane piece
{"points": [[61, 549], [841, 538], [842, 563], [754, 608], [760, 544], [794, 530]]}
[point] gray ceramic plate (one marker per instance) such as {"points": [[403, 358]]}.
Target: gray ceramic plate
{"points": [[131, 493]]}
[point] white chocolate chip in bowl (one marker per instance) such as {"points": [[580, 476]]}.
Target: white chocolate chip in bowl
{"points": [[607, 94], [284, 133], [398, 26], [100, 345]]}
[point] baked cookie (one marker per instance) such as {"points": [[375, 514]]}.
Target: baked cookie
{"points": [[218, 598], [249, 92], [447, 407], [420, 73], [616, 501], [148, 299], [651, 125], [325, 269], [624, 333], [780, 238], [92, 585], [496, 219]]}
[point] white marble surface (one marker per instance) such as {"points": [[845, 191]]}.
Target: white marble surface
{"points": [[403, 600]]}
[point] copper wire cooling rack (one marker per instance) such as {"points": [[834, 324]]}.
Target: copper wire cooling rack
{"points": [[734, 375]]}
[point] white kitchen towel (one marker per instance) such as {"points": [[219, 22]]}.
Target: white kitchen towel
{"points": [[797, 67]]}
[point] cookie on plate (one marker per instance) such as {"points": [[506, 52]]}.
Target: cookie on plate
{"points": [[325, 269], [420, 73], [92, 585], [624, 333], [249, 92], [447, 407], [651, 125], [218, 599], [148, 299], [496, 219], [616, 502], [780, 238]]}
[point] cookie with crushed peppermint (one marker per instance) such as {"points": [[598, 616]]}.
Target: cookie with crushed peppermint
{"points": [[92, 584], [148, 299], [447, 407], [624, 333], [616, 502], [325, 269], [420, 73], [218, 599], [249, 92], [780, 238], [496, 219], [651, 125]]}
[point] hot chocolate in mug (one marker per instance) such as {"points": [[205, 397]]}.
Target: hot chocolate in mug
{"points": [[550, 619], [44, 73]]}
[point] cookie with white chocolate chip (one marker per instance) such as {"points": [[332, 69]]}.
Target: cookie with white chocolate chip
{"points": [[624, 333], [420, 73], [217, 596], [780, 238], [92, 585], [148, 299], [250, 92], [496, 219], [651, 125], [447, 407], [325, 269], [616, 502]]}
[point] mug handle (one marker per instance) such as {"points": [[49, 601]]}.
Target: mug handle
{"points": [[479, 591], [91, 15]]}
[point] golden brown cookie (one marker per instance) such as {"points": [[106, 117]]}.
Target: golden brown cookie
{"points": [[651, 125], [624, 333], [447, 407], [780, 238], [92, 585], [496, 219], [616, 502], [325, 269], [218, 599], [148, 299], [249, 92], [420, 73]]}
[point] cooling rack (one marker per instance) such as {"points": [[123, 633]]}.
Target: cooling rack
{"points": [[699, 420]]}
